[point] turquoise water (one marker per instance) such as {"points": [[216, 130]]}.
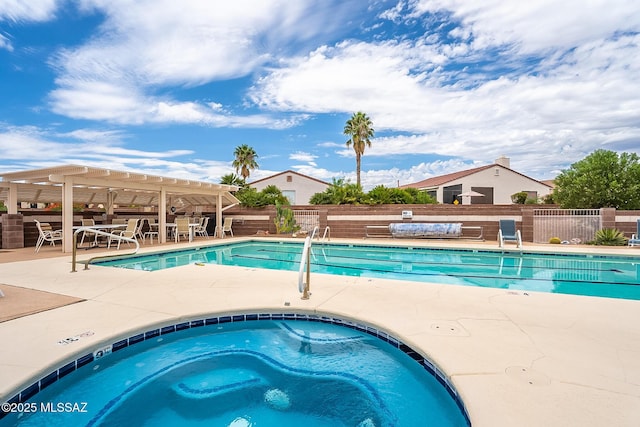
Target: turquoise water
{"points": [[258, 373], [614, 277]]}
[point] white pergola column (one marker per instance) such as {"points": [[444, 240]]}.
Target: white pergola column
{"points": [[67, 214], [12, 199], [162, 216], [218, 216]]}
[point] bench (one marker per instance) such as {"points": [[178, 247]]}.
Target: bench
{"points": [[423, 230]]}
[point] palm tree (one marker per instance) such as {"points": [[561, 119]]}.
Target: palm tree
{"points": [[360, 130], [232, 179], [245, 160]]}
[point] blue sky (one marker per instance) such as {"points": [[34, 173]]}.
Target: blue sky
{"points": [[171, 87]]}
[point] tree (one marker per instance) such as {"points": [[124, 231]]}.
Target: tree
{"points": [[359, 129], [232, 179], [339, 193], [245, 160], [270, 195], [602, 179]]}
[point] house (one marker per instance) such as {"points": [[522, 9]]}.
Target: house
{"points": [[296, 187], [496, 183]]}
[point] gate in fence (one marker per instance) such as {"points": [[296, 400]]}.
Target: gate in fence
{"points": [[573, 225], [307, 219]]}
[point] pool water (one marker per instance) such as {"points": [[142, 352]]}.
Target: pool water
{"points": [[258, 373], [602, 276]]}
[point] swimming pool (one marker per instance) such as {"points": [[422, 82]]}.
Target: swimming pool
{"points": [[242, 371], [591, 275]]}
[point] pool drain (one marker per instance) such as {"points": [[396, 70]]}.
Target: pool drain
{"points": [[526, 375]]}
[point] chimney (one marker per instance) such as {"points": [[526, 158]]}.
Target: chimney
{"points": [[503, 161]]}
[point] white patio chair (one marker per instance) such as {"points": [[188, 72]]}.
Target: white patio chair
{"points": [[226, 227], [201, 229], [130, 232], [152, 231], [85, 223], [182, 228], [47, 234]]}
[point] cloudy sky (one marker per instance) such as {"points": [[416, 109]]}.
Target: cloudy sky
{"points": [[172, 87]]}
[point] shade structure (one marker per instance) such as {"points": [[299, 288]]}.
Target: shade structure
{"points": [[69, 184]]}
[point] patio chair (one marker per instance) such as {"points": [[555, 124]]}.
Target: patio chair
{"points": [[182, 228], [47, 234], [201, 229], [130, 232], [509, 233], [226, 227], [88, 223], [152, 231], [635, 237]]}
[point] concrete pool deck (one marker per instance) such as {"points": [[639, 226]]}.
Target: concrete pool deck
{"points": [[516, 358]]}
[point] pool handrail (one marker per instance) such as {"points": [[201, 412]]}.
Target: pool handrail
{"points": [[100, 233], [316, 233], [305, 261]]}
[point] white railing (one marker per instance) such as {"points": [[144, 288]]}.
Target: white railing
{"points": [[307, 219], [100, 233], [567, 224], [305, 261]]}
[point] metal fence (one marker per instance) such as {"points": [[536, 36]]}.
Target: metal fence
{"points": [[573, 225], [307, 219]]}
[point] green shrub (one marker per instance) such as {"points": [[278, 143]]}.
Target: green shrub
{"points": [[555, 240], [609, 237], [285, 221]]}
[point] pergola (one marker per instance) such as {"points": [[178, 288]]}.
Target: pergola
{"points": [[69, 184]]}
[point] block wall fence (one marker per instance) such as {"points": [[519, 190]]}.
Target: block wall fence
{"points": [[345, 221]]}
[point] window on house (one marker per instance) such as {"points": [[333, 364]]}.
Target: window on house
{"points": [[289, 178], [449, 194], [290, 195]]}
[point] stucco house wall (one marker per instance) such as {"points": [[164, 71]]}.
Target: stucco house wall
{"points": [[496, 181], [298, 187], [504, 182]]}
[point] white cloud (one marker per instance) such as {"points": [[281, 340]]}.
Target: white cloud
{"points": [[28, 10], [539, 25], [303, 157], [145, 45], [573, 102], [5, 43]]}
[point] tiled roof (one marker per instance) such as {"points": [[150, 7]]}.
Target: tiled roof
{"points": [[437, 181]]}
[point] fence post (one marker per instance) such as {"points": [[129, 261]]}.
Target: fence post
{"points": [[607, 217], [527, 224]]}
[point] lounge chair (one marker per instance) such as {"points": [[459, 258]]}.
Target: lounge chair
{"points": [[47, 234], [226, 227], [509, 233], [130, 232], [635, 237]]}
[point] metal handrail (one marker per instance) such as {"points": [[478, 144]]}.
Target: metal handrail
{"points": [[327, 230], [100, 233], [316, 233], [316, 229], [305, 260]]}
